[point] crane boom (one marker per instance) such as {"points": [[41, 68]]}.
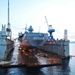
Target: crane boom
{"points": [[47, 22]]}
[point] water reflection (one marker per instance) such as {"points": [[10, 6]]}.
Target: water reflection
{"points": [[14, 71], [3, 71], [58, 70], [65, 67], [34, 71], [54, 70], [65, 63]]}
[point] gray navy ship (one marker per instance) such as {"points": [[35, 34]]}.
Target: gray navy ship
{"points": [[30, 39], [6, 44], [45, 42]]}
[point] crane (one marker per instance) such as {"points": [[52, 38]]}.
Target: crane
{"points": [[50, 30]]}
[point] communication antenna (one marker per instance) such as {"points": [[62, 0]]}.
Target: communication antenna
{"points": [[8, 15], [25, 27], [39, 29]]}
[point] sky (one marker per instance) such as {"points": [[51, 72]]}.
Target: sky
{"points": [[59, 13]]}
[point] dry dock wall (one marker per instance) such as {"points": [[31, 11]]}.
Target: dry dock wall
{"points": [[59, 47]]}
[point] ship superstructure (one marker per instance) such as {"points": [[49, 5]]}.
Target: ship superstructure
{"points": [[5, 44], [32, 39]]}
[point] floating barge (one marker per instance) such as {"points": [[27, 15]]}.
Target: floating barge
{"points": [[59, 46]]}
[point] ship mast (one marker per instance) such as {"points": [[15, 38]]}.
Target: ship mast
{"points": [[8, 25], [8, 15]]}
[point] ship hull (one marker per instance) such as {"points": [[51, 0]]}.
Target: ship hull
{"points": [[30, 43], [6, 47], [25, 45]]}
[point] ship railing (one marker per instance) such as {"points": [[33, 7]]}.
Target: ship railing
{"points": [[38, 38]]}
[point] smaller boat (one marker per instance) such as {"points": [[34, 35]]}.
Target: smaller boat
{"points": [[32, 39]]}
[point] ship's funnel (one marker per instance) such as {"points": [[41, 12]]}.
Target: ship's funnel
{"points": [[30, 29]]}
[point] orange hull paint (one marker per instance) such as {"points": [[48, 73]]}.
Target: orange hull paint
{"points": [[25, 45]]}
